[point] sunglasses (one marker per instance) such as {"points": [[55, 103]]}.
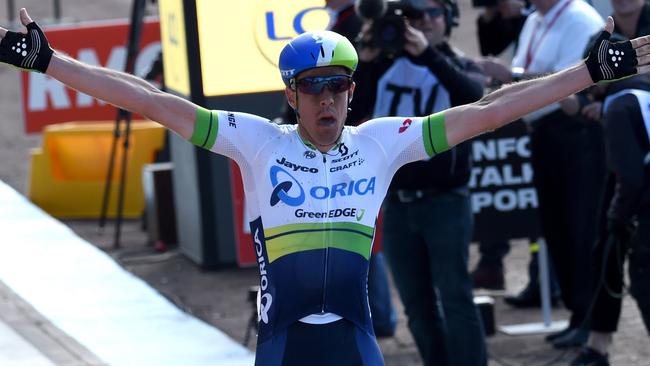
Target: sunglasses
{"points": [[314, 85], [431, 12]]}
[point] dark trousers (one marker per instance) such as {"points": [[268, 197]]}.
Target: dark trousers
{"points": [[492, 254], [426, 243], [609, 260], [568, 158]]}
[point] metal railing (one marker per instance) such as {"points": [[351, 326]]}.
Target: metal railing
{"points": [[11, 10]]}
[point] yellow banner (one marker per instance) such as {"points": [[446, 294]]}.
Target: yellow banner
{"points": [[172, 34], [240, 41]]}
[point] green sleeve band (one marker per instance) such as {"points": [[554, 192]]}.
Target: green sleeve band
{"points": [[206, 127], [434, 134]]}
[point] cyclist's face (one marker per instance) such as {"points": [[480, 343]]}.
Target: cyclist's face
{"points": [[322, 111]]}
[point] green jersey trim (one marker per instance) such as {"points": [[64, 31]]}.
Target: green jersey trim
{"points": [[293, 238], [206, 127], [434, 134]]}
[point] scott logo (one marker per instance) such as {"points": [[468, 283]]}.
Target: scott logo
{"points": [[264, 299], [309, 154], [284, 191], [405, 125], [343, 150]]}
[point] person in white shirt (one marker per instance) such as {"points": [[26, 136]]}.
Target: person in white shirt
{"points": [[567, 156]]}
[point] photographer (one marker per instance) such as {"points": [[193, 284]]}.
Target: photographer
{"points": [[427, 215]]}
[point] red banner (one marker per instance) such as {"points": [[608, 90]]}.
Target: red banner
{"points": [[47, 101]]}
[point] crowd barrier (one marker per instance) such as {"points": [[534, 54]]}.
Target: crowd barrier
{"points": [[68, 173]]}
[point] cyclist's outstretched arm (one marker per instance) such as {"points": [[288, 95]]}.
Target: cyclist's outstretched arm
{"points": [[607, 61], [32, 52]]}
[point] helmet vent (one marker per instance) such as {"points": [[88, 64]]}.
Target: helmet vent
{"points": [[322, 51]]}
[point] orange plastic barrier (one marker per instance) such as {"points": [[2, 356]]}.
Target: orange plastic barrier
{"points": [[68, 173]]}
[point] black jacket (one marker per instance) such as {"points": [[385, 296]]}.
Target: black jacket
{"points": [[627, 147]]}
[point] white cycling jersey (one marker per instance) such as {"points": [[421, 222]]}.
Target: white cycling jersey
{"points": [[314, 213]]}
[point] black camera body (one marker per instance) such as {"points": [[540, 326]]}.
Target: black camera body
{"points": [[388, 30]]}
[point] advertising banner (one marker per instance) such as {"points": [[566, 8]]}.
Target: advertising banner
{"points": [[47, 101]]}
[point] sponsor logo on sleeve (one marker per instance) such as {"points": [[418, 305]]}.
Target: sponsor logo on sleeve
{"points": [[405, 125], [232, 122]]}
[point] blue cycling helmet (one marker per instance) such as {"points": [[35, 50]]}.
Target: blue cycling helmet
{"points": [[316, 49]]}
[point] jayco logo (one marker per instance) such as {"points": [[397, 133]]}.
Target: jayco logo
{"points": [[296, 167], [282, 190], [265, 299]]}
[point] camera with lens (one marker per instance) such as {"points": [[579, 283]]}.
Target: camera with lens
{"points": [[388, 21]]}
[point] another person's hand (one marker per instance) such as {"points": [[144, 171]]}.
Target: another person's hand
{"points": [[416, 41], [593, 110], [570, 105], [510, 9], [493, 68], [29, 51], [616, 60], [366, 52]]}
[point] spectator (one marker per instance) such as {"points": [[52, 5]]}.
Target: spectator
{"points": [[567, 155], [499, 25], [627, 197]]}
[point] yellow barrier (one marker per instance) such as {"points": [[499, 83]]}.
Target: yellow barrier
{"points": [[68, 173]]}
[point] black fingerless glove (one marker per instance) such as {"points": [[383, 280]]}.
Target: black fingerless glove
{"points": [[610, 60], [29, 51]]}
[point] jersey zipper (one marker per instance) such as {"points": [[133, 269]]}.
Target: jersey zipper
{"points": [[326, 239]]}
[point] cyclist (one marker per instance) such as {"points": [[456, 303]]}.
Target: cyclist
{"points": [[315, 188]]}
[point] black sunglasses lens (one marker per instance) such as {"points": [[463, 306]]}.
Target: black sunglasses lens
{"points": [[315, 85], [339, 85], [434, 12]]}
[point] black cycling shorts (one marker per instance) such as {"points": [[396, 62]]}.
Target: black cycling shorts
{"points": [[339, 343]]}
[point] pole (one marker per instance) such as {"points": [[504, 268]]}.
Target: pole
{"points": [[544, 282], [133, 47], [11, 10], [57, 10]]}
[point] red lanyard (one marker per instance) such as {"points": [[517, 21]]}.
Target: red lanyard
{"points": [[530, 52]]}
